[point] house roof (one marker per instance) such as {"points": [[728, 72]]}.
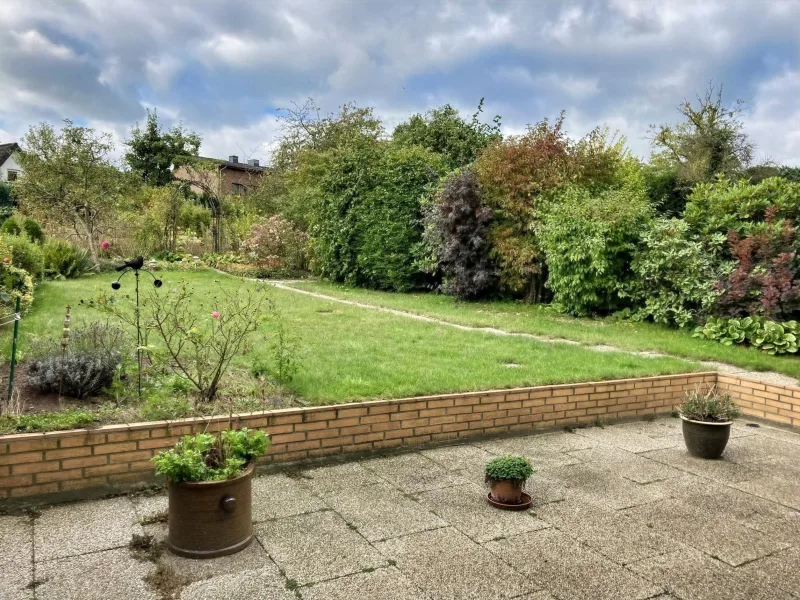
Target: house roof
{"points": [[7, 150], [238, 166]]}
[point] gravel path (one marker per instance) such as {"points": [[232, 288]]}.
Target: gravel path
{"points": [[766, 376]]}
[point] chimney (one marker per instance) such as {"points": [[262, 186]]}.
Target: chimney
{"points": [[253, 162], [233, 158]]}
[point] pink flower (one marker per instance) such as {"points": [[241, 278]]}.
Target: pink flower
{"points": [[215, 315], [105, 245], [6, 260]]}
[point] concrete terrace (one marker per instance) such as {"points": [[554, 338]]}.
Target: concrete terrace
{"points": [[620, 512]]}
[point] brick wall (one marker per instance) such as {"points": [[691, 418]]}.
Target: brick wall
{"points": [[62, 465], [777, 403]]}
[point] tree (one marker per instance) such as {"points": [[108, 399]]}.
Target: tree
{"points": [[153, 153], [444, 131], [69, 178], [710, 141], [515, 175]]}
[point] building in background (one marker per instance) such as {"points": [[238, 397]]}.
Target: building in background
{"points": [[221, 177], [9, 162]]}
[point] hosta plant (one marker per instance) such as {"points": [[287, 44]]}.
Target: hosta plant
{"points": [[508, 468], [769, 336], [706, 404], [207, 457]]}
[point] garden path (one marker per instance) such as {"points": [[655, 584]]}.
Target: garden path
{"points": [[766, 376]]}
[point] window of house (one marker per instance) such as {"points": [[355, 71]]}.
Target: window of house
{"points": [[240, 189], [12, 175]]}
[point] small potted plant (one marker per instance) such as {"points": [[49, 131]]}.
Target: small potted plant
{"points": [[209, 491], [506, 477], [707, 418]]}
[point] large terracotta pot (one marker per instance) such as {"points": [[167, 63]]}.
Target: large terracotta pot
{"points": [[506, 491], [210, 518], [705, 439]]}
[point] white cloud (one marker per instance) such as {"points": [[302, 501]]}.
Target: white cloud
{"points": [[773, 122], [34, 43]]}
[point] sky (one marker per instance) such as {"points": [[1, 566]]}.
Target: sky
{"points": [[224, 69]]}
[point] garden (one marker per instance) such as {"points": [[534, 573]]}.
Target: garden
{"points": [[379, 294], [685, 262]]}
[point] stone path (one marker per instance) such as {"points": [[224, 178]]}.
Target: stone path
{"points": [[766, 376], [620, 513]]}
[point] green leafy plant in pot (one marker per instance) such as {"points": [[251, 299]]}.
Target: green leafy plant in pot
{"points": [[506, 477], [210, 497], [707, 417]]}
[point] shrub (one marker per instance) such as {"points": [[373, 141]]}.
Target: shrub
{"points": [[201, 348], [81, 374], [15, 283], [277, 242], [457, 225], [589, 240], [19, 225], [25, 254], [515, 174], [764, 280], [443, 131], [367, 218], [769, 336], [673, 276], [513, 468], [721, 206], [206, 457], [708, 405], [63, 259]]}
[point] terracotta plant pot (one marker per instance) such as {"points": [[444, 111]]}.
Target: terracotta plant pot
{"points": [[706, 439], [210, 518], [506, 491]]}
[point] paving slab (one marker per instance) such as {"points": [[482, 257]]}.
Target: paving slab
{"points": [[316, 546], [97, 576], [689, 574], [332, 478], [379, 511], [549, 452], [781, 570], [568, 569], [613, 534], [78, 528], [777, 489], [706, 530], [464, 457], [246, 585], [465, 507], [276, 496], [630, 439], [150, 507], [723, 470], [16, 558], [631, 466], [412, 473], [604, 485], [381, 584], [450, 566], [252, 558]]}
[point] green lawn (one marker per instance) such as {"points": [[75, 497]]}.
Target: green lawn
{"points": [[353, 353], [545, 321]]}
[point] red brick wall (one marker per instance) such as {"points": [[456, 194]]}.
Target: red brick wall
{"points": [[81, 463]]}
